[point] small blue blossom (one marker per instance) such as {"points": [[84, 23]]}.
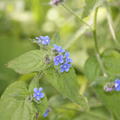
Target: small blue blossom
{"points": [[65, 67], [44, 40], [58, 59], [117, 85], [67, 58], [46, 113], [38, 94], [58, 49], [67, 54]]}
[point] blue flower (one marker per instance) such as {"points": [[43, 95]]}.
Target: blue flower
{"points": [[67, 54], [44, 40], [67, 58], [46, 113], [117, 85], [65, 67], [38, 94], [58, 59], [58, 49]]}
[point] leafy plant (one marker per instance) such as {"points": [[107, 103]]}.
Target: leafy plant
{"points": [[50, 83]]}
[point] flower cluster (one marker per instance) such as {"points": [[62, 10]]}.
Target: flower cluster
{"points": [[38, 94], [112, 86], [44, 40], [62, 58]]}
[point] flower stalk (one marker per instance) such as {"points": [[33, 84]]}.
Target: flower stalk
{"points": [[94, 31]]}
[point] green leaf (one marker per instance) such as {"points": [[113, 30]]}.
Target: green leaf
{"points": [[15, 103], [29, 62], [66, 84], [111, 59], [91, 69]]}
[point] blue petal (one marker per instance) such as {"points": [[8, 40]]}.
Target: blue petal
{"points": [[61, 61], [47, 38], [46, 113], [67, 54], [42, 37], [62, 70], [34, 95], [35, 90], [67, 69], [40, 89], [42, 95], [38, 98]]}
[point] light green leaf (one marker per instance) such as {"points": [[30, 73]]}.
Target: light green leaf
{"points": [[29, 62], [66, 84]]}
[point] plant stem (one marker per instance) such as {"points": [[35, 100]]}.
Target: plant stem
{"points": [[73, 13], [96, 44], [94, 35]]}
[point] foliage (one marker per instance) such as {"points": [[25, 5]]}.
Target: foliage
{"points": [[81, 88]]}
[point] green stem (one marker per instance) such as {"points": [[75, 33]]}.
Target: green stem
{"points": [[94, 35], [96, 43], [73, 13], [95, 32]]}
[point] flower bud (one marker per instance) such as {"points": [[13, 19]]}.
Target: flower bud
{"points": [[55, 2]]}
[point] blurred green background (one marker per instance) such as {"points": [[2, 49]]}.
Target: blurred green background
{"points": [[22, 20]]}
